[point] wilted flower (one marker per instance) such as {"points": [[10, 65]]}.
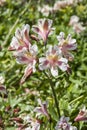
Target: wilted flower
{"points": [[53, 60], [42, 109], [66, 45], [43, 29], [27, 57], [82, 116], [45, 10], [64, 124], [21, 38]]}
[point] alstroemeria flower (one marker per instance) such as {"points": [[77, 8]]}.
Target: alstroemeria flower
{"points": [[82, 116], [43, 29], [27, 57], [64, 124], [66, 45], [42, 109], [53, 60], [21, 38]]}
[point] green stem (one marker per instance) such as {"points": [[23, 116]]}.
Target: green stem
{"points": [[54, 94], [75, 100]]}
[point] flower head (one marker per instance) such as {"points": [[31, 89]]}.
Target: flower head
{"points": [[21, 38], [66, 45], [64, 124], [82, 116], [53, 60], [43, 29], [27, 57], [42, 109]]}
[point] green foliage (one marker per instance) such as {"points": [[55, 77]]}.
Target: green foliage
{"points": [[71, 89]]}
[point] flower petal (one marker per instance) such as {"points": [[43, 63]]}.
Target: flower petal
{"points": [[27, 73], [54, 71]]}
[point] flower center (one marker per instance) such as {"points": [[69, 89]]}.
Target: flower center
{"points": [[52, 57]]}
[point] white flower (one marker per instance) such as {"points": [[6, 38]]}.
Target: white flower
{"points": [[66, 45], [43, 29], [21, 38], [53, 60]]}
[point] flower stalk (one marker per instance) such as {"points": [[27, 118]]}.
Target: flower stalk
{"points": [[54, 94]]}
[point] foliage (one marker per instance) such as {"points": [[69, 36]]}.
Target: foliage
{"points": [[71, 90]]}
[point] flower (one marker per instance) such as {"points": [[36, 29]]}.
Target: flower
{"points": [[21, 38], [82, 116], [27, 57], [42, 109], [66, 45], [43, 29], [64, 124], [53, 60], [73, 20], [77, 26], [45, 10], [59, 5]]}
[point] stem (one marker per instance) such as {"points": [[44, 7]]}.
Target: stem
{"points": [[54, 94]]}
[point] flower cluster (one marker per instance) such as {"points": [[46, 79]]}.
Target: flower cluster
{"points": [[58, 5], [29, 123], [64, 124], [54, 57]]}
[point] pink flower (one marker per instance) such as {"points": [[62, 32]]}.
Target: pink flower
{"points": [[53, 60], [82, 116], [64, 124], [43, 29], [66, 45], [42, 109], [21, 38], [27, 57]]}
